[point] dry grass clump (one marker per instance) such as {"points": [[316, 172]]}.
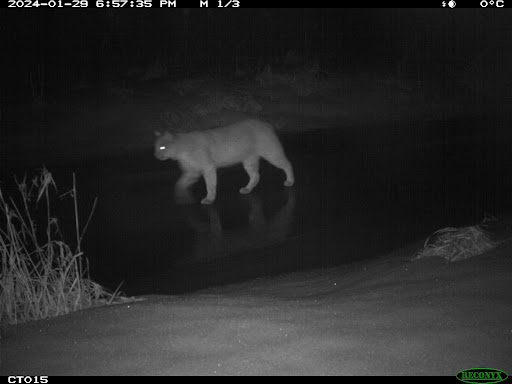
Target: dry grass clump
{"points": [[454, 244], [41, 275]]}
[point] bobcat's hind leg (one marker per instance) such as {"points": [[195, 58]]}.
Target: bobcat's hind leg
{"points": [[280, 161], [251, 166], [210, 177]]}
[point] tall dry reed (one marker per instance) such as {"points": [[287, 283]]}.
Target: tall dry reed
{"points": [[40, 274]]}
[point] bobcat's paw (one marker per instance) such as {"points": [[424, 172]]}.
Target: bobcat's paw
{"points": [[288, 183], [207, 201], [245, 191]]}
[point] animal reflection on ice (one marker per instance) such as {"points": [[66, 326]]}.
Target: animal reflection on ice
{"points": [[213, 241]]}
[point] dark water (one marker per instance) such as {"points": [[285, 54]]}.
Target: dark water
{"points": [[359, 192]]}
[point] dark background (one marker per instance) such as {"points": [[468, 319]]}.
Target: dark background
{"points": [[435, 45]]}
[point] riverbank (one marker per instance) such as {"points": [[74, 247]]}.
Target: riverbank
{"points": [[385, 316]]}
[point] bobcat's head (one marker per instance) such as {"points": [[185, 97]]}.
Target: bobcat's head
{"points": [[164, 145]]}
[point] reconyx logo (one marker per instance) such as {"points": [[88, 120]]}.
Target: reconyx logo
{"points": [[481, 375]]}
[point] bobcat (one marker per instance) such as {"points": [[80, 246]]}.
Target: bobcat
{"points": [[200, 153]]}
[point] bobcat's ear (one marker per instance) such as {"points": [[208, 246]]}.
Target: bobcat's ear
{"points": [[158, 133]]}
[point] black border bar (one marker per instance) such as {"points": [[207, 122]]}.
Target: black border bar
{"points": [[448, 5]]}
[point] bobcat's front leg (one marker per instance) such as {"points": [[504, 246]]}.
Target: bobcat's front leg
{"points": [[181, 188], [210, 177]]}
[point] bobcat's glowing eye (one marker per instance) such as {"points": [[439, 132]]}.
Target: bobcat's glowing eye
{"points": [[162, 148]]}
